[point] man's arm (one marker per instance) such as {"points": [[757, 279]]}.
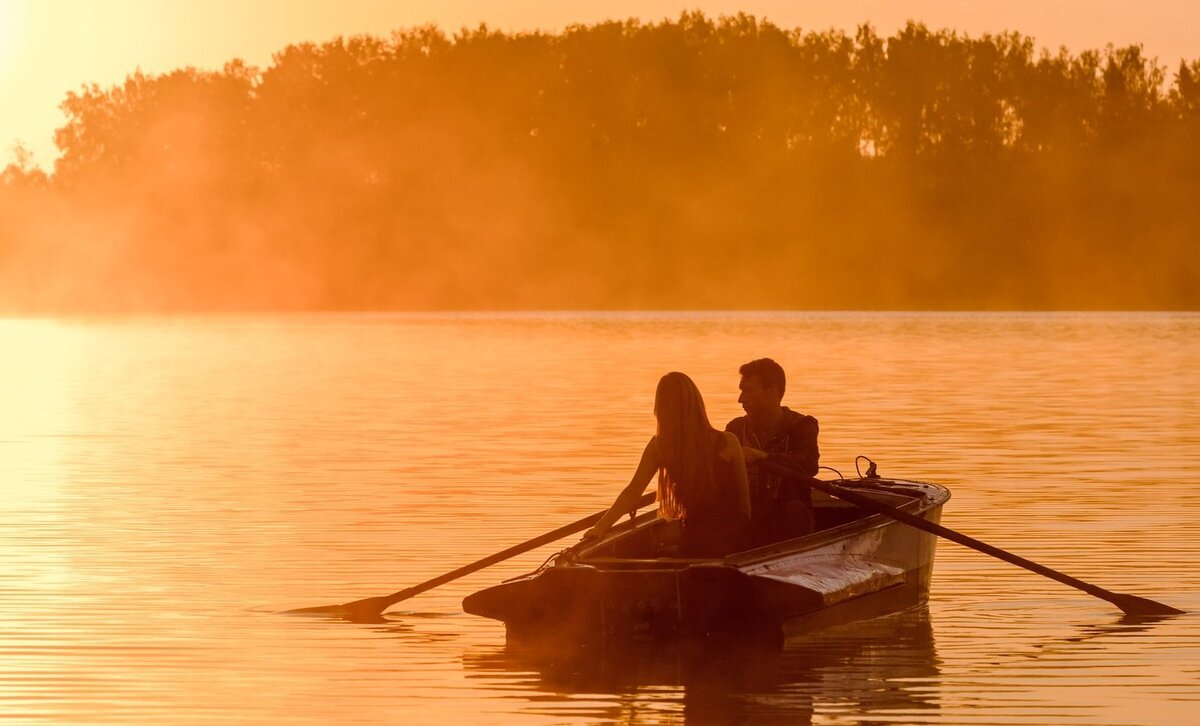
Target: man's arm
{"points": [[802, 455]]}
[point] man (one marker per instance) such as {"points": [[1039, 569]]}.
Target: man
{"points": [[780, 505]]}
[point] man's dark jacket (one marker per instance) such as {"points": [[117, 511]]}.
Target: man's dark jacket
{"points": [[794, 445]]}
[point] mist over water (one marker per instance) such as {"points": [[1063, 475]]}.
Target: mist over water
{"points": [[696, 163], [172, 481]]}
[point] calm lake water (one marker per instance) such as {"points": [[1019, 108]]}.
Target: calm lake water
{"points": [[170, 483]]}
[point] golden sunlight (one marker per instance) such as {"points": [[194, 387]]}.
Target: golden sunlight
{"points": [[32, 372], [8, 40]]}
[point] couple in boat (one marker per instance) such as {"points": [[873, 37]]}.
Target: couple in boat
{"points": [[714, 482]]}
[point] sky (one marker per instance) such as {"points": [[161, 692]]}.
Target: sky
{"points": [[51, 47]]}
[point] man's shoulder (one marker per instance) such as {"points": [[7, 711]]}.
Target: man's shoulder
{"points": [[737, 425], [796, 420]]}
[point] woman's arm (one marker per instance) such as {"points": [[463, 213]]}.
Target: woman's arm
{"points": [[627, 499], [736, 458]]}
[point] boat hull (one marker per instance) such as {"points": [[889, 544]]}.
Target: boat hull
{"points": [[861, 568]]}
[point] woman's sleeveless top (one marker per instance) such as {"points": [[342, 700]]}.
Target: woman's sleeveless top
{"points": [[722, 503], [714, 525]]}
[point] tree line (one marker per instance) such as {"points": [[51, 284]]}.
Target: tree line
{"points": [[685, 164]]}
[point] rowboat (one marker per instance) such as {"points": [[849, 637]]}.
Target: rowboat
{"points": [[628, 587]]}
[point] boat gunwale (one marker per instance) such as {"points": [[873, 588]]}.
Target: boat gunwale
{"points": [[922, 497], [919, 503]]}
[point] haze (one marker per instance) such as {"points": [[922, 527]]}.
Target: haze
{"points": [[292, 157]]}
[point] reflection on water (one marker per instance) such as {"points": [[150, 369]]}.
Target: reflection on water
{"points": [[172, 482], [884, 665]]}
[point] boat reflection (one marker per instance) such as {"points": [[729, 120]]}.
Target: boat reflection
{"points": [[888, 664]]}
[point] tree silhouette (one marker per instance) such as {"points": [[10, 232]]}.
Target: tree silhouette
{"points": [[690, 163]]}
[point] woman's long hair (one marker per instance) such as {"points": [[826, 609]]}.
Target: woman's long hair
{"points": [[686, 446]]}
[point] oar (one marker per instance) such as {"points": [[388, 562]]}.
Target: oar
{"points": [[1129, 604], [370, 609]]}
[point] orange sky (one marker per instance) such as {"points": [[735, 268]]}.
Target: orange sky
{"points": [[48, 47]]}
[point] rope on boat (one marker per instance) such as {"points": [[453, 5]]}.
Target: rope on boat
{"points": [[550, 559], [835, 471]]}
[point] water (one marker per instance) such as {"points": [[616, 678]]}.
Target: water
{"points": [[171, 482]]}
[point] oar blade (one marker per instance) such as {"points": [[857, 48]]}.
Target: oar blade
{"points": [[367, 610], [330, 610], [1142, 606], [370, 610]]}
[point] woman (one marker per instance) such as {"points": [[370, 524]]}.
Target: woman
{"points": [[701, 475]]}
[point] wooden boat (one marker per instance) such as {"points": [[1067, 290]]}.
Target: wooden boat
{"points": [[626, 586]]}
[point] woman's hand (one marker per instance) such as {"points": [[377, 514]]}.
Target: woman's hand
{"points": [[628, 498], [593, 533], [752, 454]]}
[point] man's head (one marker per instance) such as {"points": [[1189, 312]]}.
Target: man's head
{"points": [[762, 386]]}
